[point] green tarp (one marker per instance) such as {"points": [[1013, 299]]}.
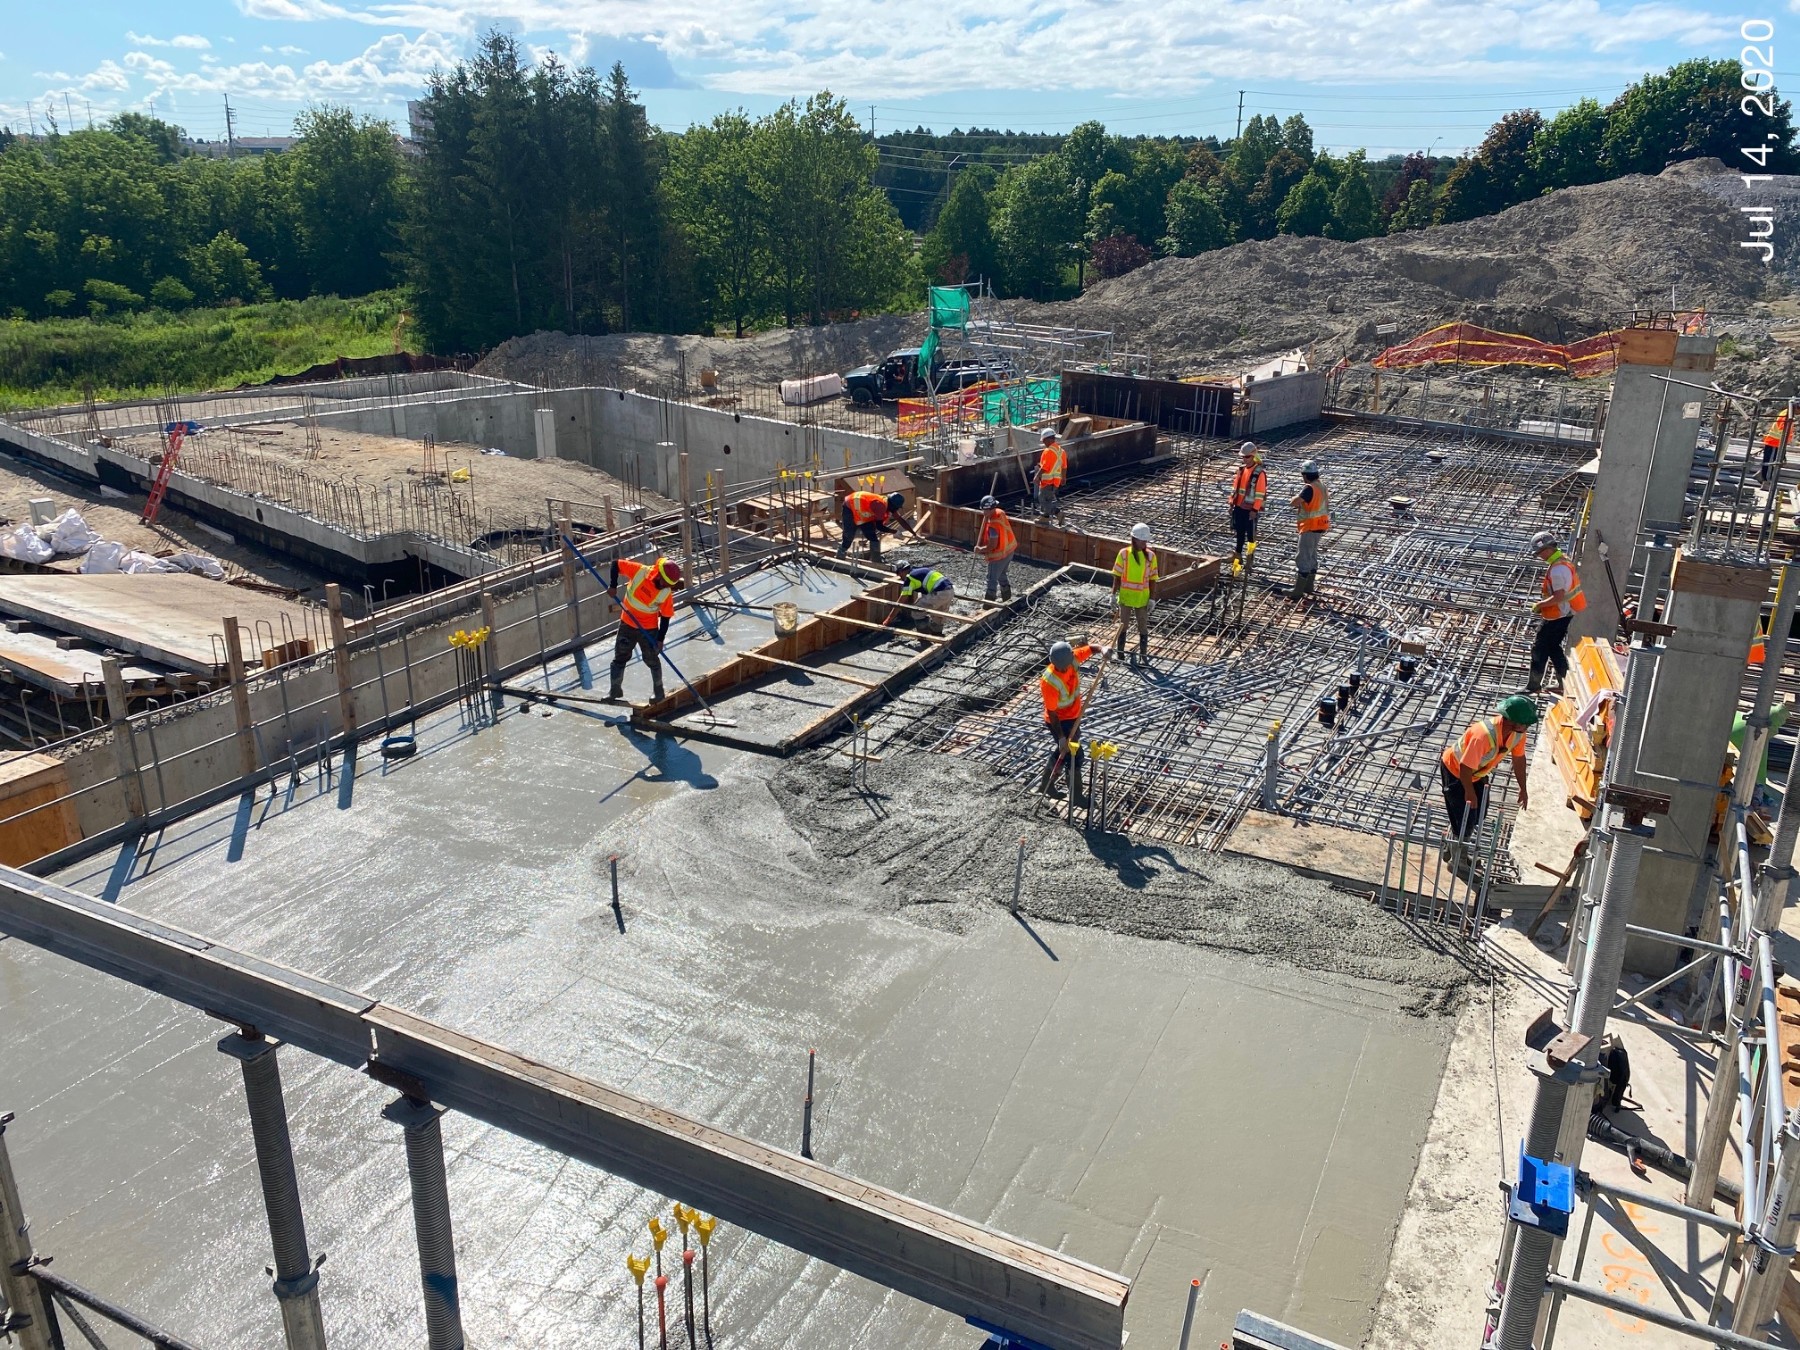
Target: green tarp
{"points": [[927, 354], [949, 307], [1026, 401]]}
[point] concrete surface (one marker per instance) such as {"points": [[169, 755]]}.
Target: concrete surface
{"points": [[1163, 1110]]}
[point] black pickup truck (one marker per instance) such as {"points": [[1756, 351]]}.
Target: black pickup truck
{"points": [[897, 376]]}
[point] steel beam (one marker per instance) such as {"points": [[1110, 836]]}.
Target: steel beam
{"points": [[901, 1243]]}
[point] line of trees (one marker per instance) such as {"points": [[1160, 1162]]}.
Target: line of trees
{"points": [[540, 196], [114, 220]]}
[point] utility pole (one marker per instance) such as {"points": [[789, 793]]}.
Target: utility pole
{"points": [[230, 145], [69, 109], [1240, 121], [871, 121], [31, 118]]}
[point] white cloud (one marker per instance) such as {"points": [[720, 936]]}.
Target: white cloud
{"points": [[106, 76], [389, 69], [186, 41]]}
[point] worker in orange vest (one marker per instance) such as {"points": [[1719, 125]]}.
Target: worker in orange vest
{"points": [[1312, 517], [1052, 470], [1469, 765], [1060, 685], [871, 514], [995, 544], [646, 604], [1249, 493], [1775, 442], [1562, 601]]}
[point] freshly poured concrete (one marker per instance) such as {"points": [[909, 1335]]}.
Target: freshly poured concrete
{"points": [[1165, 1111]]}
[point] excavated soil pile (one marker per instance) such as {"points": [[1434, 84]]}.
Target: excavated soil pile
{"points": [[1559, 267]]}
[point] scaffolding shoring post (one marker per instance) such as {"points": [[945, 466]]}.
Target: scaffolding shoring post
{"points": [[27, 1318], [1772, 1232]]}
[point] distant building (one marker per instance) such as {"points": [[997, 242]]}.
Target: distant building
{"points": [[242, 145], [418, 119]]}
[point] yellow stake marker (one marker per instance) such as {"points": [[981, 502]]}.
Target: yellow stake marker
{"points": [[639, 1266], [704, 1225]]}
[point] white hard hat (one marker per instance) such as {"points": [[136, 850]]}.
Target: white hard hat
{"points": [[1310, 469], [1047, 434], [1247, 448], [989, 503], [1141, 531], [1541, 540]]}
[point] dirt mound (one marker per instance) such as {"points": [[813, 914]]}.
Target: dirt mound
{"points": [[628, 360], [1559, 267]]}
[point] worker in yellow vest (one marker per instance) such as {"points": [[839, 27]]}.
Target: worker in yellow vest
{"points": [[1134, 588], [1312, 517], [1469, 765], [1775, 442], [1562, 601]]}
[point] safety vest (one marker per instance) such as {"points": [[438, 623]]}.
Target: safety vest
{"points": [[1250, 487], [648, 599], [1573, 600], [1481, 746], [1062, 692], [1777, 432], [1004, 542], [934, 580], [1315, 516], [1135, 572], [866, 507], [1052, 465]]}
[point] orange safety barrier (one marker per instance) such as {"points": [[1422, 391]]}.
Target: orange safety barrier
{"points": [[1580, 752], [1467, 344], [919, 415]]}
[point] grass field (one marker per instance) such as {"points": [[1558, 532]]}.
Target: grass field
{"points": [[50, 361]]}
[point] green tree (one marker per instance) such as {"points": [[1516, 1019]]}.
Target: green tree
{"points": [[1298, 137], [163, 138], [1255, 147], [169, 293], [222, 270], [1506, 151], [1306, 209], [1567, 150], [1469, 191], [961, 246], [1692, 111], [1037, 225], [1353, 212], [106, 296], [1417, 211], [1110, 206], [712, 197], [347, 183], [1195, 223], [1090, 155], [1280, 176]]}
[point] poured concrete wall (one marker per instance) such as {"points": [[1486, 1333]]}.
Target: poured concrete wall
{"points": [[1282, 401]]}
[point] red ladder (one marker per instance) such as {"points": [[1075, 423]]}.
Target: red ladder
{"points": [[160, 488]]}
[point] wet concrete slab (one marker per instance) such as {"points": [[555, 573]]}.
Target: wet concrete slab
{"points": [[1165, 1111]]}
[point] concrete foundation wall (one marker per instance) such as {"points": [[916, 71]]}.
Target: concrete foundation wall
{"points": [[1282, 401]]}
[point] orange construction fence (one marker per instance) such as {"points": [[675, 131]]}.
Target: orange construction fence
{"points": [[1467, 344]]}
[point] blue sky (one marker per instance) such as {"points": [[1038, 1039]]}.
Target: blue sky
{"points": [[1386, 74]]}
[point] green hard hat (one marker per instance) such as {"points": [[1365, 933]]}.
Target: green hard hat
{"points": [[1519, 710]]}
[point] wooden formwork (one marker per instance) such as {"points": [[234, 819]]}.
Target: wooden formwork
{"points": [[1181, 573]]}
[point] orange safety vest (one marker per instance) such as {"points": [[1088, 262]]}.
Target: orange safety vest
{"points": [[1481, 747], [1062, 693], [1777, 432], [1053, 463], [1573, 600], [1250, 487], [1315, 516], [648, 599], [1005, 542], [866, 507]]}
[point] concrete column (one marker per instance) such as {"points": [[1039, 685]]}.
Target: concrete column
{"points": [[296, 1275], [1714, 608], [26, 1319], [340, 656], [546, 432], [240, 696], [1646, 452], [118, 714], [431, 1219], [687, 522]]}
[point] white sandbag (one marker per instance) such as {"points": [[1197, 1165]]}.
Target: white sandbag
{"points": [[23, 544], [102, 557], [202, 563], [70, 535], [137, 561], [796, 392]]}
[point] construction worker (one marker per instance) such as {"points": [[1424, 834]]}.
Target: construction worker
{"points": [[1775, 442], [645, 607], [1312, 517], [1470, 763], [996, 543], [930, 590], [1052, 469], [1249, 492], [1562, 601], [873, 515], [1060, 684], [1134, 588]]}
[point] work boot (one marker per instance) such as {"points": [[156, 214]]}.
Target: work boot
{"points": [[989, 597], [1144, 649], [1237, 567], [875, 550], [1005, 590], [617, 688], [1078, 769]]}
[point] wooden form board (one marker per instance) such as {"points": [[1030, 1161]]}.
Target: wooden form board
{"points": [[1182, 573], [1110, 446], [28, 781]]}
